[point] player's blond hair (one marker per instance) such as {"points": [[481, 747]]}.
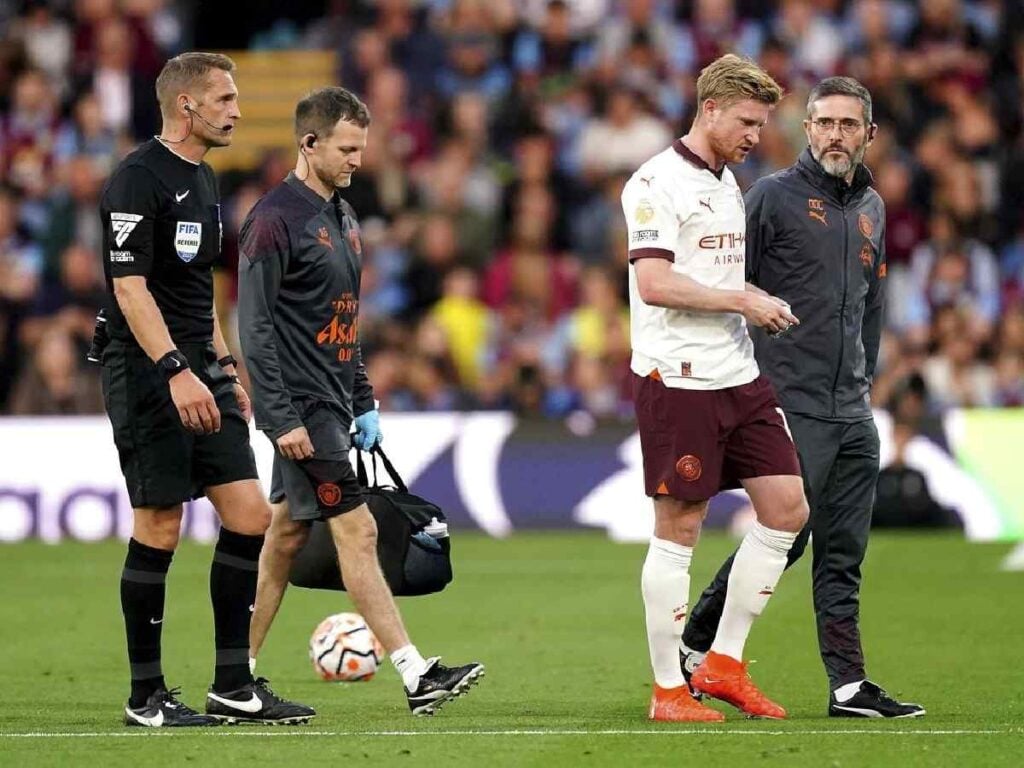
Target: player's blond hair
{"points": [[187, 72], [732, 78]]}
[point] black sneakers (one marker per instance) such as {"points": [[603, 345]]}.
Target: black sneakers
{"points": [[689, 661], [440, 684], [163, 710], [256, 703], [872, 701]]}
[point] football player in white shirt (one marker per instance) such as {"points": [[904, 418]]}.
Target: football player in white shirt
{"points": [[708, 420]]}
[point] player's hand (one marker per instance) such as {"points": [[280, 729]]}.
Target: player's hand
{"points": [[195, 403], [768, 312], [295, 445], [368, 432], [243, 401]]}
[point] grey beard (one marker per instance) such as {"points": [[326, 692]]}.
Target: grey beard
{"points": [[841, 167]]}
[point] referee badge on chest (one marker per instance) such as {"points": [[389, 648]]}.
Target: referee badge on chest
{"points": [[187, 239]]}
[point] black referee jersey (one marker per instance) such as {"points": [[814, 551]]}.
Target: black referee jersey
{"points": [[161, 220]]}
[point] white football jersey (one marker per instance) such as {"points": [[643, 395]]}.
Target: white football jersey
{"points": [[678, 209]]}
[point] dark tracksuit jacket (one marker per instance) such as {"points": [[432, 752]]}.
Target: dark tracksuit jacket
{"points": [[298, 303], [819, 244]]}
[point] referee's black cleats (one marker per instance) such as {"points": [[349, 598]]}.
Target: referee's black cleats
{"points": [[872, 701], [256, 703], [440, 684], [163, 710]]}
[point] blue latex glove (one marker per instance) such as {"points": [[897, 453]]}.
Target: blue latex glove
{"points": [[368, 432]]}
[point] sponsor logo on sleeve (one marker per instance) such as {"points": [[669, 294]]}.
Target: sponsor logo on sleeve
{"points": [[122, 225], [122, 257], [644, 235], [187, 240]]}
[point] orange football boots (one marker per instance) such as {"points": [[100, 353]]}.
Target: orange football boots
{"points": [[725, 678], [677, 705]]}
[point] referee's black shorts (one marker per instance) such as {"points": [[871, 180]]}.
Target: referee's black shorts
{"points": [[162, 462], [324, 486]]}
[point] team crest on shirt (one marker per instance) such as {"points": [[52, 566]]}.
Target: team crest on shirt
{"points": [[644, 212], [867, 228], [353, 239], [187, 239]]}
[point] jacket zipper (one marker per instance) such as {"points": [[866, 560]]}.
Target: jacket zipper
{"points": [[842, 310]]}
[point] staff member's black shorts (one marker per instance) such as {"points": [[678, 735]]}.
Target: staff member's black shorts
{"points": [[324, 486], [162, 462]]}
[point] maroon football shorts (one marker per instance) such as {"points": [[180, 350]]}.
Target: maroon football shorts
{"points": [[696, 443]]}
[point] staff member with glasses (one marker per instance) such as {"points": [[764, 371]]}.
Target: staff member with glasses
{"points": [[816, 239]]}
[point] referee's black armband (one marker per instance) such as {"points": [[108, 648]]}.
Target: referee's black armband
{"points": [[227, 360], [171, 364]]}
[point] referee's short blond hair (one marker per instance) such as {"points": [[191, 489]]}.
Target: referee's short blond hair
{"points": [[187, 72], [732, 78]]}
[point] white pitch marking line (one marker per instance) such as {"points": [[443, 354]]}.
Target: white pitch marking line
{"points": [[143, 733]]}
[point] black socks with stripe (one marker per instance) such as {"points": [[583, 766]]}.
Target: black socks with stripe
{"points": [[233, 592], [142, 603]]}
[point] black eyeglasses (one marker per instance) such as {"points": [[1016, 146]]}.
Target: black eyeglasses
{"points": [[847, 126]]}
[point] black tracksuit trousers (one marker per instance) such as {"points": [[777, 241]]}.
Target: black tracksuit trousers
{"points": [[840, 468]]}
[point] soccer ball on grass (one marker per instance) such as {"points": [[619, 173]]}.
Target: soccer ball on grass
{"points": [[344, 649]]}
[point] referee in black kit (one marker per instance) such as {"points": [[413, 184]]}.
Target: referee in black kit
{"points": [[816, 238], [178, 413]]}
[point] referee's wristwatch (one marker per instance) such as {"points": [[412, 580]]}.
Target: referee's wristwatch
{"points": [[171, 364]]}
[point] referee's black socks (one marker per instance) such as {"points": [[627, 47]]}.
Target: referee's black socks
{"points": [[143, 586], [233, 592]]}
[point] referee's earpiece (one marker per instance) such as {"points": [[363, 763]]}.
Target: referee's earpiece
{"points": [[308, 141]]}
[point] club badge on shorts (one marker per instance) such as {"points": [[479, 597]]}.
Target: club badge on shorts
{"points": [[187, 239]]}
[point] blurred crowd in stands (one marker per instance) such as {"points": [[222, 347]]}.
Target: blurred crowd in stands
{"points": [[503, 131]]}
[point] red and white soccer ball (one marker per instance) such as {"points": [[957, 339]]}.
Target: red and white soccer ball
{"points": [[344, 649]]}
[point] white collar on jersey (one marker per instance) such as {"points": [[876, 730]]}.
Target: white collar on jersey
{"points": [[171, 149]]}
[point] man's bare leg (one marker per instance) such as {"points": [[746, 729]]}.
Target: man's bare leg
{"points": [[428, 685], [355, 536], [283, 541]]}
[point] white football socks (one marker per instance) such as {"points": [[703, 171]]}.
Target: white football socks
{"points": [[759, 563], [665, 583], [410, 665]]}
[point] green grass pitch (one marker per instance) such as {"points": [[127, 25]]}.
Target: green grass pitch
{"points": [[557, 619]]}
